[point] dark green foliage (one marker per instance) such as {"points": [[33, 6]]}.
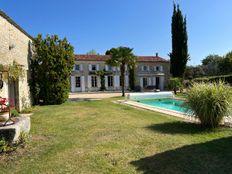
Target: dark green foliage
{"points": [[192, 72], [225, 78], [175, 84], [121, 57], [179, 55], [226, 64], [14, 112], [132, 78], [211, 65], [51, 68]]}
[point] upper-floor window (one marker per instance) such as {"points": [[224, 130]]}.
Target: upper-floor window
{"points": [[78, 82], [94, 67], [110, 81], [110, 68], [77, 67], [157, 68], [94, 81], [145, 68]]}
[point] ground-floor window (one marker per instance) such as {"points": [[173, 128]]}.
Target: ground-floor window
{"points": [[110, 81], [145, 82], [94, 81], [78, 82]]}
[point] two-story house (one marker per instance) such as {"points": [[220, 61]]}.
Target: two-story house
{"points": [[150, 71]]}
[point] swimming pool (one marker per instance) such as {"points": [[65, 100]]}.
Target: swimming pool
{"points": [[169, 104]]}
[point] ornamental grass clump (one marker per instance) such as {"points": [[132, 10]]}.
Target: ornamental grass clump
{"points": [[210, 102]]}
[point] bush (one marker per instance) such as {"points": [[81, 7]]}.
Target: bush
{"points": [[14, 112], [4, 146], [210, 102], [175, 84], [225, 78]]}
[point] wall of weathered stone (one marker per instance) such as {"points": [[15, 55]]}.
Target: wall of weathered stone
{"points": [[11, 36]]}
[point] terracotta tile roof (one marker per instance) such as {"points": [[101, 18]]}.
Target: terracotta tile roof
{"points": [[84, 57]]}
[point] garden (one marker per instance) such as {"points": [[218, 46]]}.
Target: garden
{"points": [[84, 137]]}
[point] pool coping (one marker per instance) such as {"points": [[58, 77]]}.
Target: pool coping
{"points": [[160, 110]]}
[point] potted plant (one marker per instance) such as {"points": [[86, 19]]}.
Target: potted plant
{"points": [[4, 110]]}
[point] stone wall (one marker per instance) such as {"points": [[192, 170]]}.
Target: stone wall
{"points": [[14, 46]]}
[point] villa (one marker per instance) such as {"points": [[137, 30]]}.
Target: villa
{"points": [[15, 45], [151, 71]]}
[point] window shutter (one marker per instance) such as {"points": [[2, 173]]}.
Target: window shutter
{"points": [[106, 67], [97, 67], [161, 68], [90, 67]]}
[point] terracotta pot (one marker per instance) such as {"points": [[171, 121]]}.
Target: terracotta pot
{"points": [[4, 116]]}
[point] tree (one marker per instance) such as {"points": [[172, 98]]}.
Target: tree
{"points": [[92, 52], [192, 72], [121, 57], [132, 77], [179, 55], [51, 67], [225, 64], [211, 64]]}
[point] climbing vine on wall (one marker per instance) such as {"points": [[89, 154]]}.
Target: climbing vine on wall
{"points": [[12, 71]]}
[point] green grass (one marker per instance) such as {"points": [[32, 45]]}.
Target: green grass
{"points": [[103, 137]]}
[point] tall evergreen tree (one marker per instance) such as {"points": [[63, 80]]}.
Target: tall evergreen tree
{"points": [[179, 55]]}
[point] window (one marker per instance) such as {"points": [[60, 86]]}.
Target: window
{"points": [[145, 68], [78, 82], [77, 67], [110, 68], [94, 81], [110, 81], [145, 82], [157, 68], [94, 67]]}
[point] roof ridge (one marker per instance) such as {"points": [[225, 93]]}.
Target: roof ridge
{"points": [[10, 20]]}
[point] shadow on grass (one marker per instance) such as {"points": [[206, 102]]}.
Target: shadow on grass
{"points": [[178, 127], [210, 157]]}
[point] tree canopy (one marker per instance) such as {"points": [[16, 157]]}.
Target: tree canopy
{"points": [[121, 57], [51, 68]]}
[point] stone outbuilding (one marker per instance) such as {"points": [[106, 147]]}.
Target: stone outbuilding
{"points": [[15, 45]]}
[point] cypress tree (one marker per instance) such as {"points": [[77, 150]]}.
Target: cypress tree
{"points": [[179, 55]]}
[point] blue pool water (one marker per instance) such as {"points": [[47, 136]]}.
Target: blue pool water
{"points": [[170, 104]]}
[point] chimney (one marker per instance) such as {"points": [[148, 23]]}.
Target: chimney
{"points": [[156, 54]]}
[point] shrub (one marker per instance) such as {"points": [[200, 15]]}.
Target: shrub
{"points": [[4, 146], [210, 102], [175, 84], [225, 78], [14, 112]]}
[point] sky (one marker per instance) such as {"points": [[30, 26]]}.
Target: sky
{"points": [[144, 25]]}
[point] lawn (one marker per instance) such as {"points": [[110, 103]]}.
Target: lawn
{"points": [[103, 137]]}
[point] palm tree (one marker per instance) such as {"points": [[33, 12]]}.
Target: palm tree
{"points": [[121, 57]]}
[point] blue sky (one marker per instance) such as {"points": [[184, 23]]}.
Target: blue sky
{"points": [[144, 25]]}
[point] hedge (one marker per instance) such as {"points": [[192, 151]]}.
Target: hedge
{"points": [[225, 78]]}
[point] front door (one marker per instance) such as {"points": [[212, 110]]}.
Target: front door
{"points": [[13, 93], [157, 80]]}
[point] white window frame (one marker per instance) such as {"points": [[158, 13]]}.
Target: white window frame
{"points": [[78, 78], [145, 82], [94, 68], [93, 81], [110, 81]]}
